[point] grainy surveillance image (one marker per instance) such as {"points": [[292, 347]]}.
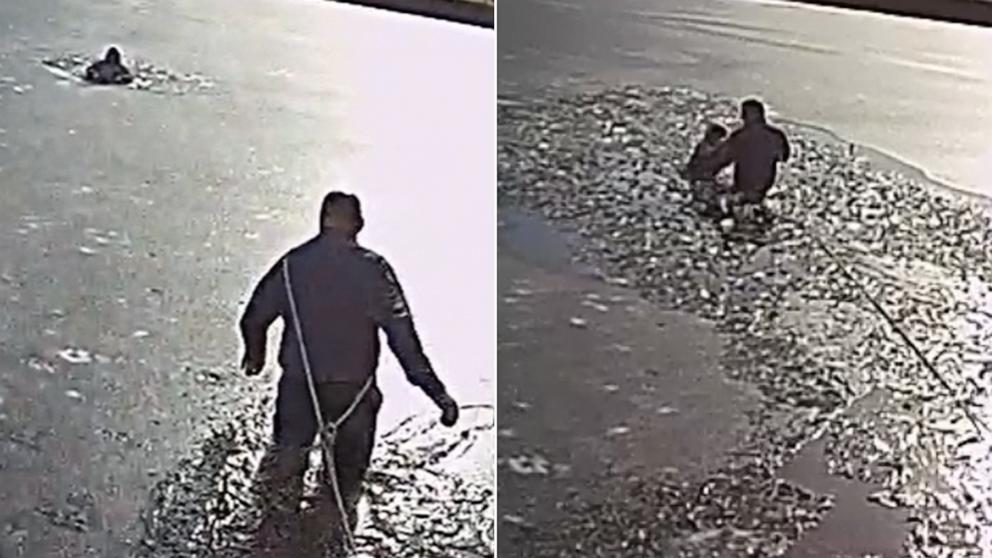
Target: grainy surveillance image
{"points": [[744, 278], [247, 274]]}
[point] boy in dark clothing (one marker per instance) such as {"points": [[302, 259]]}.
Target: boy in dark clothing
{"points": [[110, 70], [702, 162], [702, 169]]}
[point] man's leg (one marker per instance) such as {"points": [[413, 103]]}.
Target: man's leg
{"points": [[280, 474], [279, 488], [754, 208], [352, 450]]}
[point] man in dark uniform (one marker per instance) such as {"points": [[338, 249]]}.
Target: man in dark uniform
{"points": [[343, 294], [755, 149]]}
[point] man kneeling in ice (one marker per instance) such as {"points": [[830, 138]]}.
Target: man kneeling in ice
{"points": [[755, 149]]}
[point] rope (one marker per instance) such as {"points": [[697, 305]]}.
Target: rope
{"points": [[327, 431], [877, 306]]}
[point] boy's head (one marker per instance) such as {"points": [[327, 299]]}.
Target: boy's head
{"points": [[715, 133], [113, 56]]}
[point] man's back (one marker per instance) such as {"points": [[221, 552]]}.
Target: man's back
{"points": [[756, 149], [344, 293], [334, 283]]}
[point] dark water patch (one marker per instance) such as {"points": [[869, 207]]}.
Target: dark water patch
{"points": [[531, 239], [742, 510]]}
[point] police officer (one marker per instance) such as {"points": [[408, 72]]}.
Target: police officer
{"points": [[755, 149], [343, 294]]}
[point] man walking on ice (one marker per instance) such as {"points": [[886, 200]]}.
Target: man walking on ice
{"points": [[334, 296]]}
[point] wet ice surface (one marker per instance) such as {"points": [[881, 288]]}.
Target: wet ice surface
{"points": [[605, 165], [10, 84], [147, 76], [415, 504]]}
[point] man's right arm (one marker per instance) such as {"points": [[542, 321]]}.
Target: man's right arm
{"points": [[263, 308]]}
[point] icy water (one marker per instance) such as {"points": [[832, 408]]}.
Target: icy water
{"points": [[794, 300], [417, 501]]}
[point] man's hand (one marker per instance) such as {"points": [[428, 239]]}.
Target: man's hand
{"points": [[252, 367], [449, 410]]}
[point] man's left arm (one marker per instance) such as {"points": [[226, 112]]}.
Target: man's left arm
{"points": [[786, 148], [392, 313], [263, 308]]}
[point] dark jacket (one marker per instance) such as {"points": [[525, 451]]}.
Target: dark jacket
{"points": [[108, 73], [701, 165], [755, 150], [344, 294]]}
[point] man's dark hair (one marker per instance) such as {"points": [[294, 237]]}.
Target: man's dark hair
{"points": [[753, 106], [717, 131], [340, 203]]}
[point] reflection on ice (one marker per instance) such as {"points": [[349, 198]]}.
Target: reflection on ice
{"points": [[74, 355]]}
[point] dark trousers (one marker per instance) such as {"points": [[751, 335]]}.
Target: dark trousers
{"points": [[295, 430], [706, 194]]}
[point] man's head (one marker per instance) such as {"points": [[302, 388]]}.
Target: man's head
{"points": [[752, 111], [342, 212], [113, 55], [715, 132]]}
